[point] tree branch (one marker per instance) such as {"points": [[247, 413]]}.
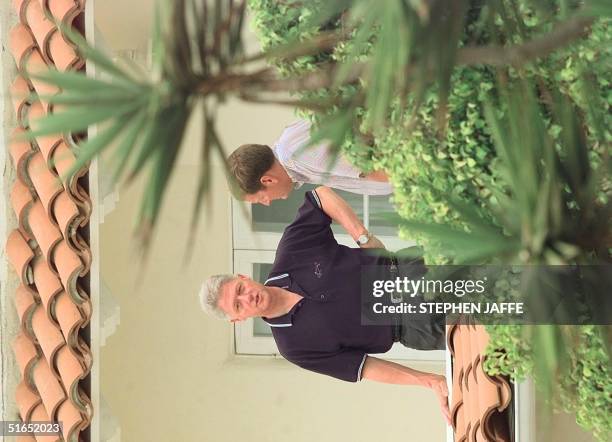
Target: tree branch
{"points": [[493, 55], [517, 55]]}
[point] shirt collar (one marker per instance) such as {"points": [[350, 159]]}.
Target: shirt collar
{"points": [[283, 281], [298, 179]]}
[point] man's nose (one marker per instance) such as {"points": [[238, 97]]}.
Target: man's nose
{"points": [[247, 297]]}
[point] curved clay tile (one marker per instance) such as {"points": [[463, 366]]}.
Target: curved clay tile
{"points": [[70, 371], [21, 44], [69, 317], [83, 353], [71, 419], [62, 53], [20, 94], [47, 283], [20, 7], [48, 334], [81, 248], [40, 414], [34, 112], [20, 254], [66, 213], [21, 200], [46, 233], [456, 406], [26, 355], [36, 64], [39, 24], [46, 183], [20, 151], [26, 400], [47, 145], [25, 304], [69, 267], [476, 408], [48, 386], [63, 10], [63, 159]]}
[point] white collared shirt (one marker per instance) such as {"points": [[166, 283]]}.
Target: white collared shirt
{"points": [[311, 165]]}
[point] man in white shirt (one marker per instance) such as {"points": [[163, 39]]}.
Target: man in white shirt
{"points": [[264, 174]]}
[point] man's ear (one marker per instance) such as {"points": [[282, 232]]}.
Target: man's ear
{"points": [[241, 276], [268, 180]]}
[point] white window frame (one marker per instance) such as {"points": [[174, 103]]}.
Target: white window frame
{"points": [[244, 238]]}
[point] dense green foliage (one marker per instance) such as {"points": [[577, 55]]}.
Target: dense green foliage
{"points": [[427, 164]]}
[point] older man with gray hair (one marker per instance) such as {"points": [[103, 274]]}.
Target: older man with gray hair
{"points": [[311, 301]]}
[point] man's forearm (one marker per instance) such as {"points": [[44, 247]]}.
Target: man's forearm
{"points": [[338, 209], [388, 372]]}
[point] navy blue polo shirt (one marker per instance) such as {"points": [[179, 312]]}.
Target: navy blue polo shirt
{"points": [[323, 331]]}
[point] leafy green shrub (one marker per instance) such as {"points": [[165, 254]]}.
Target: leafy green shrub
{"points": [[426, 165]]}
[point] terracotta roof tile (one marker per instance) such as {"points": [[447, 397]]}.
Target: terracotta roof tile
{"points": [[25, 354], [48, 251], [46, 233], [47, 145], [46, 183], [20, 151], [63, 158], [49, 337], [47, 283], [20, 254], [62, 53], [68, 266], [34, 111], [21, 44], [19, 7], [69, 317], [26, 304], [48, 387], [39, 24], [41, 415], [21, 200], [20, 92], [35, 64], [479, 401], [63, 10], [70, 369], [72, 420], [27, 400], [65, 212]]}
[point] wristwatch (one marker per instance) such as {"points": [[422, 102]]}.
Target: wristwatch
{"points": [[363, 239]]}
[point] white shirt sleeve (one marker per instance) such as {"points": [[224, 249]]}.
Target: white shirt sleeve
{"points": [[313, 164]]}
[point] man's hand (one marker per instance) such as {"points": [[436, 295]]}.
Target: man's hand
{"points": [[373, 243], [438, 385]]}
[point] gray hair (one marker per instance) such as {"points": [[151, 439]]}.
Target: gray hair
{"points": [[210, 293]]}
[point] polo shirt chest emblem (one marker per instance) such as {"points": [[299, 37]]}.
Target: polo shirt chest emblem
{"points": [[317, 270]]}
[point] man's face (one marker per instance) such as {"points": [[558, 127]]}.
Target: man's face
{"points": [[273, 189], [243, 298]]}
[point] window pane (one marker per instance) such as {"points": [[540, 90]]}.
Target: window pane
{"points": [[280, 213], [379, 225]]}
